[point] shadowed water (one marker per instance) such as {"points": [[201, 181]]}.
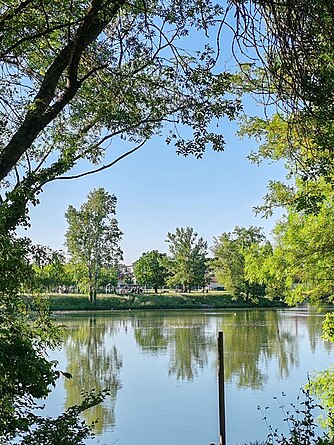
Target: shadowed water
{"points": [[161, 369]]}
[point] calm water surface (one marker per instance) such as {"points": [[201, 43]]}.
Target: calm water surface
{"points": [[161, 368]]}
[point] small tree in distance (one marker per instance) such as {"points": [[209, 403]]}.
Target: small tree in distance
{"points": [[93, 236], [188, 258], [151, 269]]}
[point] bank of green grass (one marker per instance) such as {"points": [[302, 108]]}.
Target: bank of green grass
{"points": [[195, 300]]}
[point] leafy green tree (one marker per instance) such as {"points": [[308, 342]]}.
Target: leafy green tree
{"points": [[303, 255], [297, 52], [303, 192], [93, 235], [187, 264], [151, 269], [25, 372], [76, 275], [229, 260], [294, 69], [261, 268], [68, 428], [299, 264]]}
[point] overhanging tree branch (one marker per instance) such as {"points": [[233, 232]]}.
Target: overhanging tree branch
{"points": [[39, 116]]}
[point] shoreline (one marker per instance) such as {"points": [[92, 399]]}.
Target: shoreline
{"points": [[104, 303]]}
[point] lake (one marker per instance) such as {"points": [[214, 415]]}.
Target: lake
{"points": [[161, 368]]}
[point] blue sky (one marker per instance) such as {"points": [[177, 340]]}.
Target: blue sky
{"points": [[157, 191]]}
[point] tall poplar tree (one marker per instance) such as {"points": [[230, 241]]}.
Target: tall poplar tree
{"points": [[93, 236]]}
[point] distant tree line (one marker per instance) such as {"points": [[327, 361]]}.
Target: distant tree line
{"points": [[238, 259]]}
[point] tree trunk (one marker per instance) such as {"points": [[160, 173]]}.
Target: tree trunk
{"points": [[91, 293]]}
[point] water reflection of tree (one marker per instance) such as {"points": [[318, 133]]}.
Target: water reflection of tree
{"points": [[253, 338], [314, 319], [184, 338], [189, 351], [151, 337], [94, 363]]}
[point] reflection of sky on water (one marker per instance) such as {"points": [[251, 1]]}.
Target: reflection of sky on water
{"points": [[162, 366]]}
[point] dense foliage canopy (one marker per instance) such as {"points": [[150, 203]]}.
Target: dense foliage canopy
{"points": [[290, 47]]}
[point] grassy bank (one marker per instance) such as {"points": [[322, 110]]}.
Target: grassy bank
{"points": [[66, 302]]}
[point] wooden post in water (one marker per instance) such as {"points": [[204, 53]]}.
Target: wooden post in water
{"points": [[221, 389]]}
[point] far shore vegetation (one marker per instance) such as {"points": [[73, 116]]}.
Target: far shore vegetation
{"points": [[151, 301]]}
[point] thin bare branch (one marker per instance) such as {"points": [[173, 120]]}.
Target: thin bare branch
{"points": [[104, 167]]}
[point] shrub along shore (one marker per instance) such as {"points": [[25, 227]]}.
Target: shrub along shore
{"points": [[195, 300]]}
